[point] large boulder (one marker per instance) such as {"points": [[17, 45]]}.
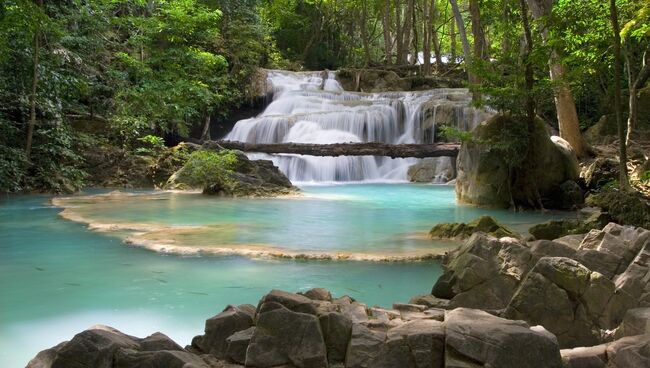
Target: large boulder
{"points": [[363, 347], [484, 272], [569, 300], [635, 322], [415, 344], [105, 347], [222, 326], [477, 339], [230, 173], [630, 208], [484, 175], [286, 337], [629, 352]]}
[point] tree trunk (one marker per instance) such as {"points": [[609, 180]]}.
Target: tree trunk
{"points": [[32, 96], [406, 31], [467, 54], [434, 35], [205, 133], [477, 33], [349, 149], [399, 34], [638, 83], [414, 40], [567, 116], [364, 33], [452, 41], [426, 42], [624, 184], [388, 43]]}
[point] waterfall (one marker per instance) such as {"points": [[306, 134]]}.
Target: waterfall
{"points": [[312, 107]]}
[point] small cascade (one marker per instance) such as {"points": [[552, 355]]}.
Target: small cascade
{"points": [[312, 107]]}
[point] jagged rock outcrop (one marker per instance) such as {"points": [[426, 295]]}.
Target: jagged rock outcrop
{"points": [[484, 176], [577, 287]]}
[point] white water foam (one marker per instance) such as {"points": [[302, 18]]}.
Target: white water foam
{"points": [[312, 107]]}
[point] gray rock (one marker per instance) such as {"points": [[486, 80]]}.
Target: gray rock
{"points": [[294, 302], [237, 344], [419, 343], [635, 322], [433, 169], [337, 330], [220, 327], [548, 248], [484, 272], [550, 296], [585, 357], [45, 358], [318, 294], [363, 347], [286, 337], [481, 339], [571, 241], [128, 358], [429, 300], [94, 347], [158, 341], [629, 352]]}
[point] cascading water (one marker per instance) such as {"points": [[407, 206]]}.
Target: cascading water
{"points": [[312, 107]]}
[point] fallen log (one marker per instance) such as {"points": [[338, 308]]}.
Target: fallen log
{"points": [[348, 149]]}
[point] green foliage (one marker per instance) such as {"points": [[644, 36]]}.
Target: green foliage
{"points": [[205, 167], [453, 134], [645, 176], [151, 145]]}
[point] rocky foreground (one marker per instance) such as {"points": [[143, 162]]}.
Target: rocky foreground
{"points": [[580, 301]]}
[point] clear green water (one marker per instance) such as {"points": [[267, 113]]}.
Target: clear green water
{"points": [[57, 277]]}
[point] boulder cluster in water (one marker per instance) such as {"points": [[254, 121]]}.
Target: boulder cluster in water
{"points": [[580, 301]]}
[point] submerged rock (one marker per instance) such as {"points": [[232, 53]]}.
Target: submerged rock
{"points": [[461, 231]]}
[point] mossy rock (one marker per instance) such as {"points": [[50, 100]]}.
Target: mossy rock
{"points": [[625, 208], [230, 173], [461, 231], [171, 161], [555, 229], [484, 165]]}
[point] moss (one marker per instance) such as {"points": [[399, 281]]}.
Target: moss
{"points": [[205, 167], [626, 208], [485, 224], [554, 229]]}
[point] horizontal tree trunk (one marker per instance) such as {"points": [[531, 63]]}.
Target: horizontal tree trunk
{"points": [[348, 149]]}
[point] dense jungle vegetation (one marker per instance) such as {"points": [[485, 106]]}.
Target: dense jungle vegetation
{"points": [[145, 73]]}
